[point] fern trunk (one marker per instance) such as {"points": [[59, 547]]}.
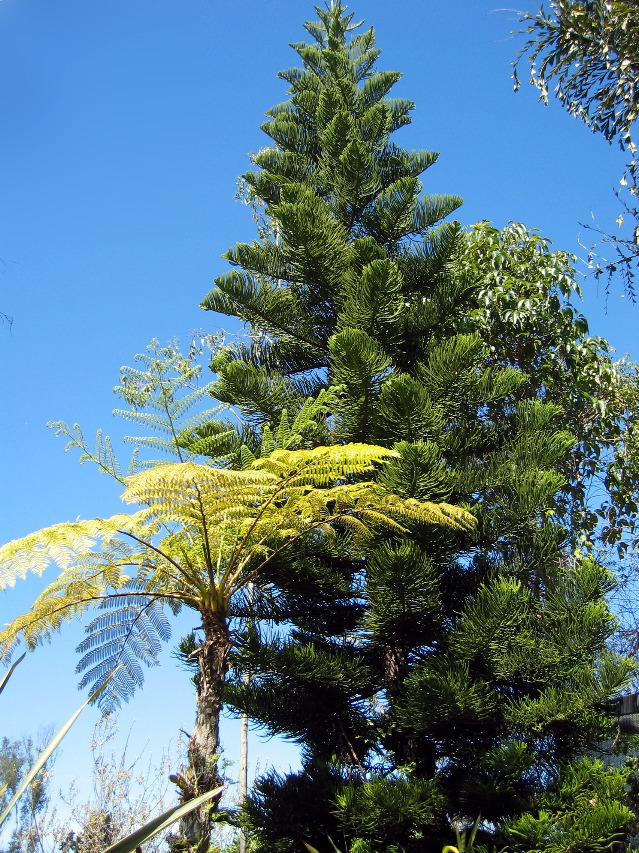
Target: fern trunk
{"points": [[204, 743]]}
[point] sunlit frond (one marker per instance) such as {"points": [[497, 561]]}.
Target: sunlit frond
{"points": [[57, 544], [200, 534], [322, 466], [129, 632]]}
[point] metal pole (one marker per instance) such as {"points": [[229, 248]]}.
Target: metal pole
{"points": [[243, 774], [243, 786]]}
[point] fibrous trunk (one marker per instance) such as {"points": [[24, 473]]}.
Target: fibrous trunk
{"points": [[204, 744]]}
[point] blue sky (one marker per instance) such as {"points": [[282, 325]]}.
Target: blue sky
{"points": [[124, 128]]}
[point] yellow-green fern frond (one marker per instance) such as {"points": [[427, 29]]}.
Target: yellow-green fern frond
{"points": [[59, 544], [98, 558], [427, 512], [200, 534], [85, 584], [323, 466], [185, 482]]}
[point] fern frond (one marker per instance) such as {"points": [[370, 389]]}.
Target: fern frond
{"points": [[106, 455], [102, 454], [96, 562], [187, 485], [145, 464], [427, 512], [124, 674], [146, 419], [123, 637], [165, 445], [315, 466], [134, 465], [57, 544], [181, 405]]}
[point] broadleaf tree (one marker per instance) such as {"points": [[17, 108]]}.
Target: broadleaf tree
{"points": [[446, 677], [527, 315], [26, 825], [587, 52]]}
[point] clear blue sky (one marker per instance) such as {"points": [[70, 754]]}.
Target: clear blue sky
{"points": [[124, 128]]}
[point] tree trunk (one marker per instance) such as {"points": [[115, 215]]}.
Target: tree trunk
{"points": [[204, 744]]}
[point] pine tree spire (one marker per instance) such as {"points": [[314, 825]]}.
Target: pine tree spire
{"points": [[341, 201], [446, 673]]}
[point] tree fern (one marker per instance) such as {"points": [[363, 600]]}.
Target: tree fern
{"points": [[202, 533], [200, 536]]}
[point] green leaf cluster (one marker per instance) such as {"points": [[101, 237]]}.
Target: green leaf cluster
{"points": [[585, 810], [587, 53], [526, 317]]}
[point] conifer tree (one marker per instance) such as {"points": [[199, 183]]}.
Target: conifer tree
{"points": [[443, 676]]}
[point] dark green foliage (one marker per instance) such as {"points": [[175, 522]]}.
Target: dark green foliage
{"points": [[285, 809], [388, 813], [525, 317], [441, 674]]}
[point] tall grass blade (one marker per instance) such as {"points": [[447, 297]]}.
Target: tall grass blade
{"points": [[131, 842], [8, 674], [49, 749]]}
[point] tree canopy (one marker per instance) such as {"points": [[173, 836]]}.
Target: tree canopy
{"points": [[588, 50], [440, 677], [587, 53], [416, 419]]}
